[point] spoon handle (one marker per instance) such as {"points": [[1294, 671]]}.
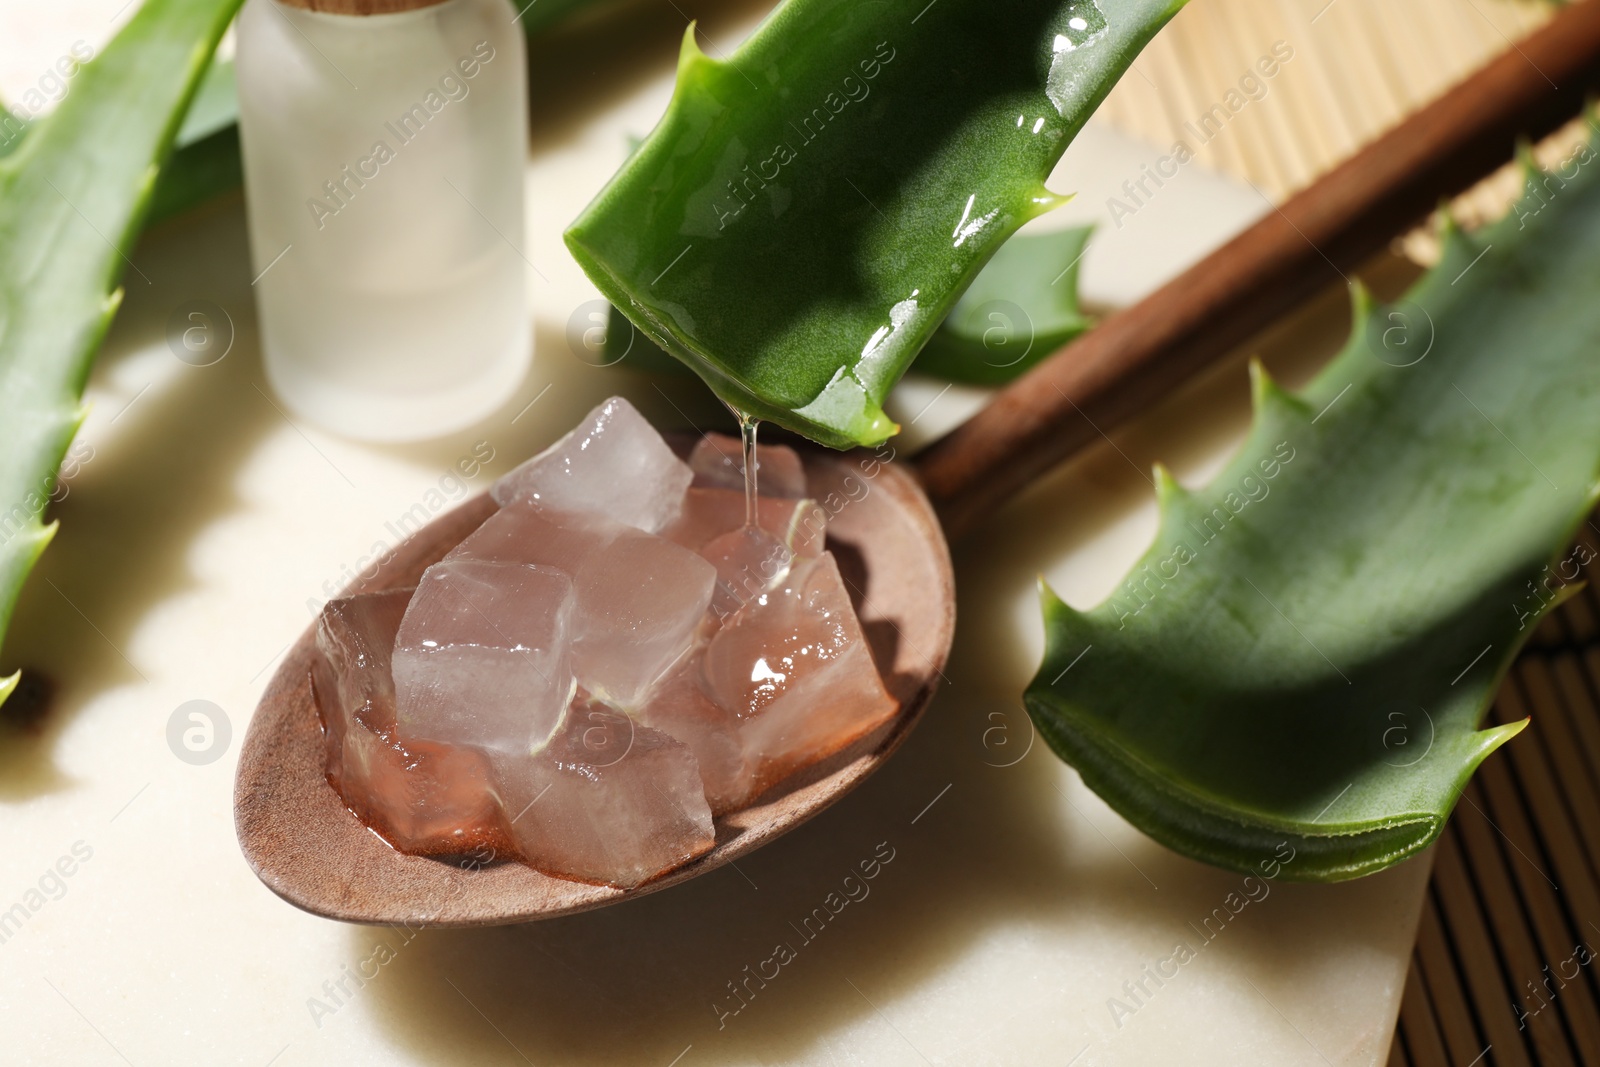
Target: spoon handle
{"points": [[1139, 355]]}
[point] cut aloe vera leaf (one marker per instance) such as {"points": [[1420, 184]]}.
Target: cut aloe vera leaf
{"points": [[1021, 308], [811, 208]]}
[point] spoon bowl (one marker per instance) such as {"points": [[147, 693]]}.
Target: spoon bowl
{"points": [[313, 852]]}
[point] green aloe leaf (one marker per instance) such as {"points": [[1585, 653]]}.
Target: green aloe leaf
{"points": [[537, 16], [1305, 653], [205, 161], [12, 130], [1021, 308], [72, 198], [810, 209]]}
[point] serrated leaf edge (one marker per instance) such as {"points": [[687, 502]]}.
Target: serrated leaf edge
{"points": [[1121, 778]]}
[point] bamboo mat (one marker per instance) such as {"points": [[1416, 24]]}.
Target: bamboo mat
{"points": [[1356, 68], [1506, 969]]}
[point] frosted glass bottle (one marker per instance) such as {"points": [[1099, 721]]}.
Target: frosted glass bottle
{"points": [[383, 158]]}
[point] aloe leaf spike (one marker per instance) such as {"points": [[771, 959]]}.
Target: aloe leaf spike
{"points": [[1303, 657]]}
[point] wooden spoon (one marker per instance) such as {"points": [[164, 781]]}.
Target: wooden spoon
{"points": [[310, 850]]}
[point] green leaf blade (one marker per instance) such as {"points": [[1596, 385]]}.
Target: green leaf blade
{"points": [[72, 197], [205, 161], [1307, 649], [13, 128], [1019, 310], [808, 211]]}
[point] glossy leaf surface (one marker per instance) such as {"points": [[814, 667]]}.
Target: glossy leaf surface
{"points": [[1021, 308], [810, 209]]}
